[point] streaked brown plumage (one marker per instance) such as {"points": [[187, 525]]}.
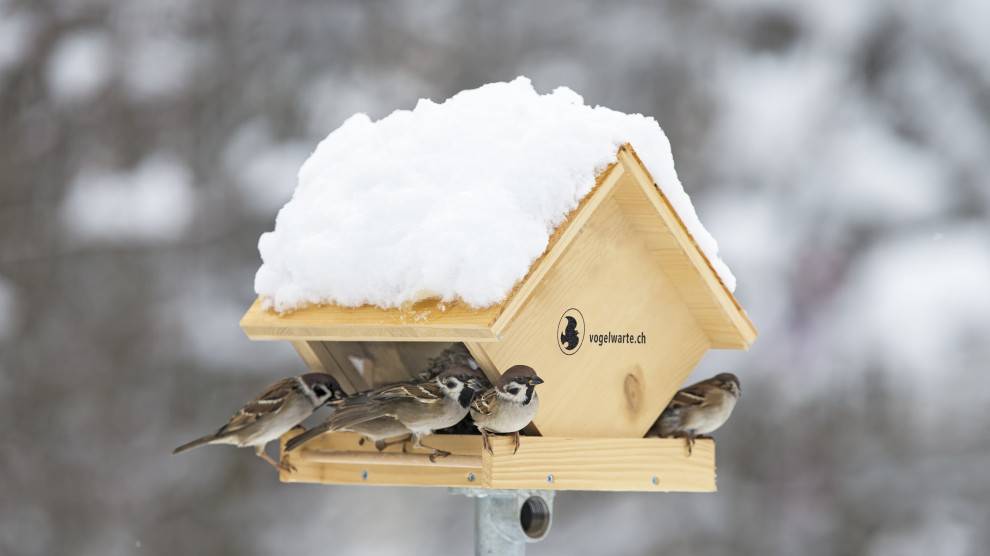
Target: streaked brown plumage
{"points": [[421, 407], [699, 409], [282, 406]]}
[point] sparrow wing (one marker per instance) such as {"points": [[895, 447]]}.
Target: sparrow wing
{"points": [[422, 392], [383, 402], [268, 403], [695, 395], [485, 403]]}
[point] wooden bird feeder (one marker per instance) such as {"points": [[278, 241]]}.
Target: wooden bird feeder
{"points": [[614, 316]]}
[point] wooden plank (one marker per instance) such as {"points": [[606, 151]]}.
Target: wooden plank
{"points": [[319, 358], [386, 458], [606, 273], [310, 471], [627, 464], [483, 360], [717, 309], [426, 321]]}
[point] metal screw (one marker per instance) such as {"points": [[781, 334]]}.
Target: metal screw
{"points": [[364, 475], [655, 480], [470, 477], [549, 477]]}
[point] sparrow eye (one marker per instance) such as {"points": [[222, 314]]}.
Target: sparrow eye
{"points": [[320, 390]]}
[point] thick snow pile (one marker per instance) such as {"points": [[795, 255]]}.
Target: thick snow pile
{"points": [[451, 200]]}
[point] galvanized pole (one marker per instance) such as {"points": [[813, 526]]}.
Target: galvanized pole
{"points": [[506, 520]]}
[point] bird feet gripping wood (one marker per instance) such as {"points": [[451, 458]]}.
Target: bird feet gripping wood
{"points": [[278, 465], [486, 442], [380, 445], [437, 453]]}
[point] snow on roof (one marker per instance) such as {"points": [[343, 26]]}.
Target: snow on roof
{"points": [[453, 200]]}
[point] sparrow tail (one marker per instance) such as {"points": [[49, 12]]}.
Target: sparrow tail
{"points": [[298, 441], [195, 443]]}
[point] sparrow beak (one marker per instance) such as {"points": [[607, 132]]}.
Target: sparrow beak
{"points": [[536, 380]]}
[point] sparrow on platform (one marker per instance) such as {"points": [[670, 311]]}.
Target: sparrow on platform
{"points": [[421, 407], [508, 406], [274, 412], [698, 410]]}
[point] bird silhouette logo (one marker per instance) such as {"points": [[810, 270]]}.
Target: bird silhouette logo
{"points": [[570, 331]]}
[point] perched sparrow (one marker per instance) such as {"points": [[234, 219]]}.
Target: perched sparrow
{"points": [[699, 409], [507, 407], [421, 407], [280, 407]]}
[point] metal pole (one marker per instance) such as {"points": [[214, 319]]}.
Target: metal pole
{"points": [[506, 520]]}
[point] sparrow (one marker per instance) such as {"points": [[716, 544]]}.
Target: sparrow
{"points": [[383, 431], [508, 406], [699, 409], [454, 356], [421, 407], [281, 407]]}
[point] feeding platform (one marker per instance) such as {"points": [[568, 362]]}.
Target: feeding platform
{"points": [[637, 464], [613, 316]]}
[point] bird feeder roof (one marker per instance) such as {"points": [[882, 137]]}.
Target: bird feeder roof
{"points": [[626, 183]]}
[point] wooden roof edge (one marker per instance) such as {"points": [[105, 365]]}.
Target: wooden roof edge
{"points": [[561, 237], [426, 320], [723, 296]]}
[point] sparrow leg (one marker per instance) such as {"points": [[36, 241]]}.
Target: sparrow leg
{"points": [[486, 444], [382, 444], [689, 439], [282, 466], [515, 441], [437, 453]]}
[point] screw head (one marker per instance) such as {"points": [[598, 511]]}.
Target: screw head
{"points": [[655, 480], [549, 477], [470, 477], [364, 475]]}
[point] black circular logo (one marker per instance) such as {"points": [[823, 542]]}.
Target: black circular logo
{"points": [[570, 331]]}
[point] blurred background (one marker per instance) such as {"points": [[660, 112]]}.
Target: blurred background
{"points": [[837, 150]]}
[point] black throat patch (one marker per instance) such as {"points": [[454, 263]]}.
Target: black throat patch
{"points": [[465, 397], [529, 393]]}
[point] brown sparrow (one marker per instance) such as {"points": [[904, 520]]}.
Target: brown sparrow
{"points": [[421, 407], [699, 409], [278, 409], [508, 406]]}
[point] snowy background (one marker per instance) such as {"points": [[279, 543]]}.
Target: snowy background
{"points": [[838, 151]]}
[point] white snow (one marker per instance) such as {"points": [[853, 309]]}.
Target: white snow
{"points": [[80, 66], [154, 203], [451, 200]]}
